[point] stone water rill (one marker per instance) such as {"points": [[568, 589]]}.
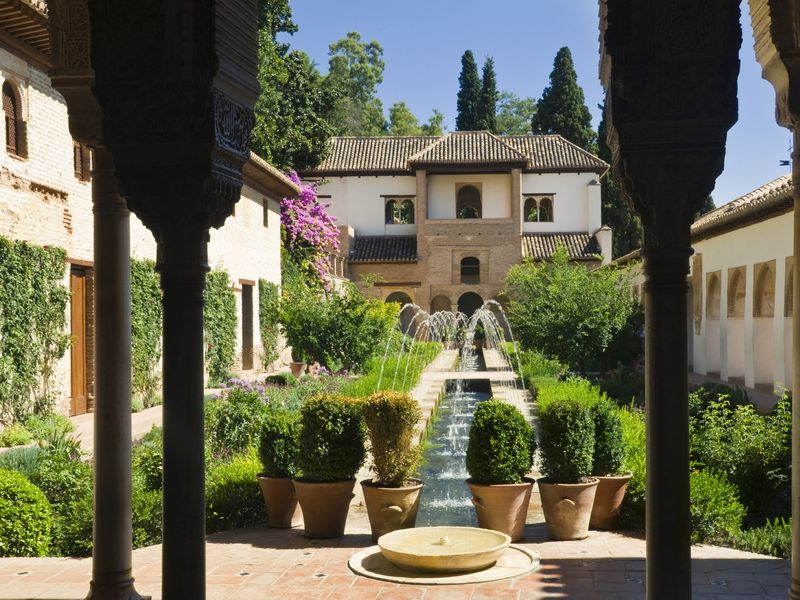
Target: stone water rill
{"points": [[446, 551]]}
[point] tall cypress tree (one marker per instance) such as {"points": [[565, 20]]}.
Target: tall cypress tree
{"points": [[487, 117], [469, 94], [562, 108], [614, 211]]}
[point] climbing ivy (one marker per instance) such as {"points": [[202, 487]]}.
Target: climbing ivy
{"points": [[220, 326], [146, 314], [33, 303], [268, 315]]}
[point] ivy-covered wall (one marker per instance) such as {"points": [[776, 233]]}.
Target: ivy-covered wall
{"points": [[146, 319], [220, 326], [268, 316], [33, 337]]}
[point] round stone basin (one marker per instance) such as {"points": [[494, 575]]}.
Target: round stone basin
{"points": [[443, 549]]}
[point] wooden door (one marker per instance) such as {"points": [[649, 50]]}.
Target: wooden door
{"points": [[77, 280], [247, 327]]}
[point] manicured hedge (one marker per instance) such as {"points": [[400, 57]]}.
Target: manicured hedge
{"points": [[24, 517]]}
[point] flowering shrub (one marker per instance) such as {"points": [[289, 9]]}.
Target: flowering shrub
{"points": [[309, 232]]}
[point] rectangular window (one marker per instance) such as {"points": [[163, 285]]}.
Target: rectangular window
{"points": [[265, 207], [82, 161]]}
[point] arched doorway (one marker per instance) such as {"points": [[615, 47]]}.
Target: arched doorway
{"points": [[470, 302], [440, 303], [407, 316]]}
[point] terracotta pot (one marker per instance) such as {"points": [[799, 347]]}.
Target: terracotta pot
{"points": [[607, 500], [283, 511], [297, 368], [325, 506], [502, 507], [567, 508], [390, 509]]}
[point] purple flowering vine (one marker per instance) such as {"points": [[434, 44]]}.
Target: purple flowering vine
{"points": [[310, 233]]}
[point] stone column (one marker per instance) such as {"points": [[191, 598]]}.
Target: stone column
{"points": [[670, 70], [182, 263], [112, 536], [794, 591]]}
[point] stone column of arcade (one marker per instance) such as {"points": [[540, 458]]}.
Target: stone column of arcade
{"points": [[776, 29], [177, 87], [670, 71]]}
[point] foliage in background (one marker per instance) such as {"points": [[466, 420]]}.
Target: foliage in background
{"points": [[573, 389], [487, 114], [716, 513], [773, 538], [294, 111], [24, 517], [236, 422], [403, 122], [391, 418], [332, 440], [501, 444], [220, 321], [469, 95], [233, 496], [268, 316], [514, 114], [338, 330], [33, 302], [562, 108], [566, 441], [609, 445], [632, 512], [15, 434], [570, 312], [146, 314]]}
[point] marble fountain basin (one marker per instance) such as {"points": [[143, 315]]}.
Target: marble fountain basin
{"points": [[443, 549]]}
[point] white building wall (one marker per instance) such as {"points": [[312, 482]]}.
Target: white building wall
{"points": [[576, 203], [495, 195]]}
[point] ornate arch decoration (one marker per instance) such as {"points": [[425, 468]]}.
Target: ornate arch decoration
{"points": [[713, 295], [15, 125], [737, 288], [764, 296], [468, 202]]}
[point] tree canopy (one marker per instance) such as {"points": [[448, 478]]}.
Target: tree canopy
{"points": [[403, 122], [469, 94], [487, 113], [514, 114], [562, 108]]}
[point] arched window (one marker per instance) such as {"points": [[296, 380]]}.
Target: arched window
{"points": [[408, 212], [399, 212], [468, 203], [15, 126], [531, 210], [713, 296], [389, 211], [470, 270], [736, 292], [764, 299], [546, 210]]}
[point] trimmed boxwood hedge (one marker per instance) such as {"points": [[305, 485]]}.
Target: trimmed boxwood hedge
{"points": [[501, 444], [25, 517], [566, 439]]}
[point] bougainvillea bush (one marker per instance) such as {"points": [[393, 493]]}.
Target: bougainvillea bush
{"points": [[309, 232]]}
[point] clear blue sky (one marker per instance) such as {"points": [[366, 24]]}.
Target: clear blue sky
{"points": [[423, 42]]}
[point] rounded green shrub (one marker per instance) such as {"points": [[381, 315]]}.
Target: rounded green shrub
{"points": [[148, 463], [147, 509], [25, 517], [237, 419], [609, 446], [233, 496], [716, 512], [280, 443], [391, 418], [566, 441], [15, 435], [332, 440], [501, 444]]}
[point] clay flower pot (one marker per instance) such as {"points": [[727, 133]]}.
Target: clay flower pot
{"points": [[297, 368], [325, 506], [283, 511], [607, 501], [567, 508], [391, 508], [502, 507]]}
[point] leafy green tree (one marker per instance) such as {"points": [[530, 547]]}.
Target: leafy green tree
{"points": [[615, 211], [469, 94], [487, 113], [435, 124], [562, 108], [569, 312], [355, 69], [295, 108], [402, 121], [514, 114]]}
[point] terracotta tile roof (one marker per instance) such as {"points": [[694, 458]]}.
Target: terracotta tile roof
{"points": [[769, 200], [468, 148], [553, 153], [389, 248], [580, 246], [398, 155]]}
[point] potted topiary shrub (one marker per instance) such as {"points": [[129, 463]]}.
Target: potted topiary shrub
{"points": [[332, 448], [298, 364], [392, 496], [499, 456], [609, 455], [566, 443], [278, 448]]}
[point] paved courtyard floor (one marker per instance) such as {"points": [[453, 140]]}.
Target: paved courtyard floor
{"points": [[262, 563]]}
